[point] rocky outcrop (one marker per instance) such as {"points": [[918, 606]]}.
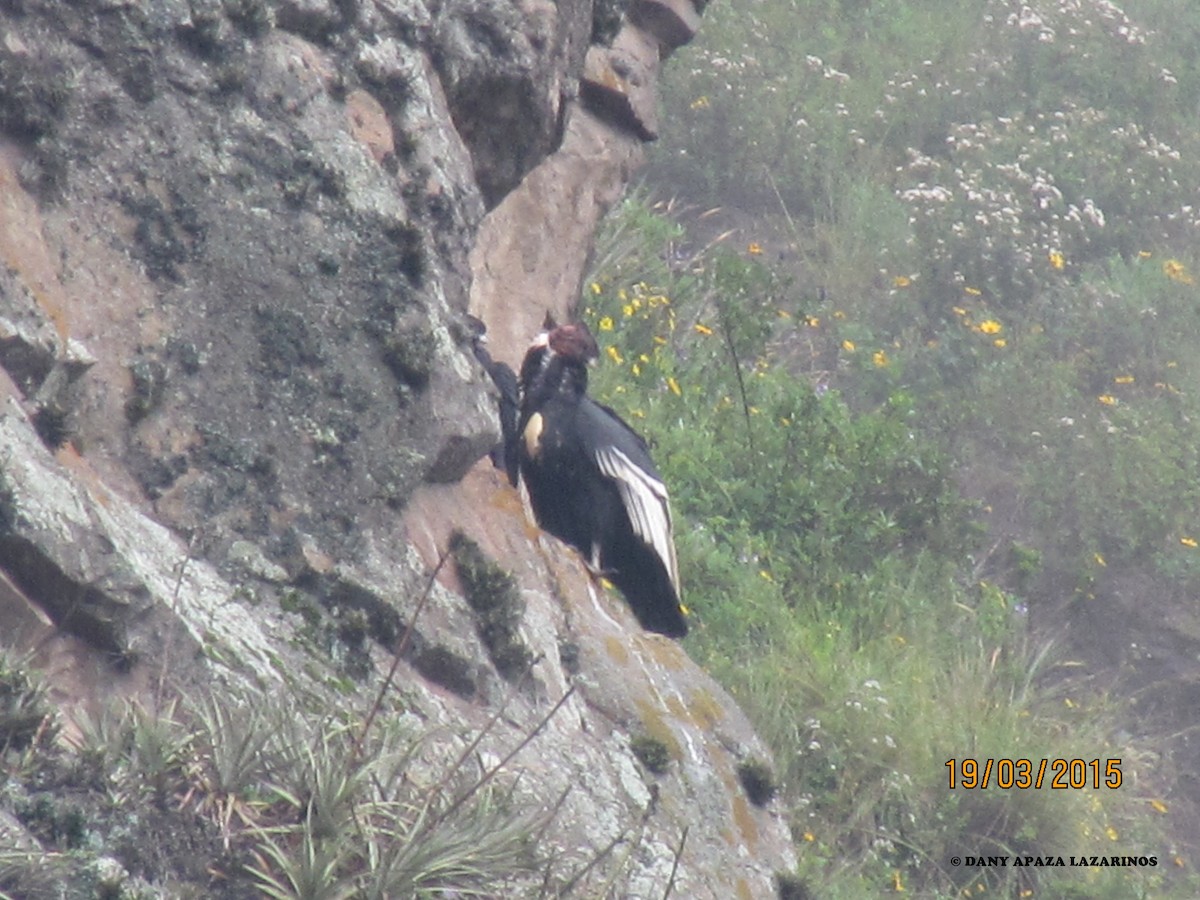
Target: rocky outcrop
{"points": [[240, 240], [521, 272]]}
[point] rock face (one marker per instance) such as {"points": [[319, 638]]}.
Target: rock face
{"points": [[240, 240]]}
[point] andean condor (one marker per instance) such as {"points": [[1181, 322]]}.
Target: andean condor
{"points": [[591, 481], [504, 454]]}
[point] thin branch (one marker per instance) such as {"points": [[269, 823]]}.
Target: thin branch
{"points": [[612, 845], [482, 733], [175, 625], [783, 206], [494, 770], [399, 654], [600, 855], [675, 864], [727, 333]]}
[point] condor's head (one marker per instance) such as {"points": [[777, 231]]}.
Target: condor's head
{"points": [[557, 360], [574, 343]]}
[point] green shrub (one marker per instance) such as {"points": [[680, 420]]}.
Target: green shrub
{"points": [[835, 572]]}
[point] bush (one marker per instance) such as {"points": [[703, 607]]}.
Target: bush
{"points": [[835, 572]]}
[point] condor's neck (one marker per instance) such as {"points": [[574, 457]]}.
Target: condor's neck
{"points": [[561, 378]]}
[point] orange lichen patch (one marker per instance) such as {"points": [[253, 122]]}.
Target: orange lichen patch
{"points": [[701, 709], [505, 499], [744, 816], [667, 654], [676, 708], [616, 650], [369, 124], [704, 709]]}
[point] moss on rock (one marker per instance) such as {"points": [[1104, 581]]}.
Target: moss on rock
{"points": [[493, 595]]}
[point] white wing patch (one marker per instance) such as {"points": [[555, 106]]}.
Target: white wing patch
{"points": [[646, 502]]}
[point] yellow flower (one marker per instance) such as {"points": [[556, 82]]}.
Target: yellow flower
{"points": [[703, 329], [615, 355], [674, 386], [1144, 254], [635, 369], [838, 314], [765, 575], [783, 314], [848, 345], [1112, 833], [991, 326], [1107, 399], [1158, 806], [627, 310], [958, 310], [901, 281], [700, 102], [812, 322], [660, 341], [1000, 342], [809, 836], [755, 248], [973, 291], [606, 324], [596, 288], [1123, 379], [1177, 271], [879, 358], [897, 884], [1099, 560], [1189, 542], [1057, 260]]}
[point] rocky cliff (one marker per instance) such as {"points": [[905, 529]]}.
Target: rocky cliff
{"points": [[240, 420]]}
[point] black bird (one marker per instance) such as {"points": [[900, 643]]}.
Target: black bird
{"points": [[504, 454], [591, 481]]}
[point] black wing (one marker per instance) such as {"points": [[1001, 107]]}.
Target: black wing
{"points": [[504, 454], [622, 456]]}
